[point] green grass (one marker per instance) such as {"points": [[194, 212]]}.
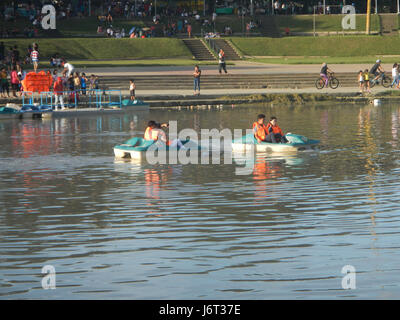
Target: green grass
{"points": [[102, 49], [323, 23], [329, 60], [134, 63], [335, 46]]}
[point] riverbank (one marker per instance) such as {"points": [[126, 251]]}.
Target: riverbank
{"points": [[292, 97]]}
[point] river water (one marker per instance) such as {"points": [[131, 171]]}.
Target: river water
{"points": [[127, 230]]}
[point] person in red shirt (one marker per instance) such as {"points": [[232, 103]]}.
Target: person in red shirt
{"points": [[274, 133], [58, 89]]}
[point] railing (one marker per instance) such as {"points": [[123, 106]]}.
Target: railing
{"points": [[96, 97]]}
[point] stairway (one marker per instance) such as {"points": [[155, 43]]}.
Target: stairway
{"points": [[233, 81], [389, 24], [268, 27], [230, 52], [198, 49]]}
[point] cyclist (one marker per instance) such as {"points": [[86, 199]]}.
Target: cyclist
{"points": [[377, 70], [324, 73]]}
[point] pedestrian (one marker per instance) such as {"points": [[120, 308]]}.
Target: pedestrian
{"points": [[77, 82], [83, 83], [196, 74], [58, 89], [366, 81], [68, 68], [55, 75], [189, 30], [361, 81], [4, 83], [35, 57], [14, 82], [132, 88], [221, 61], [395, 75]]}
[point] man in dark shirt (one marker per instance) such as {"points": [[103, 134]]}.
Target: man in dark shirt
{"points": [[376, 69]]}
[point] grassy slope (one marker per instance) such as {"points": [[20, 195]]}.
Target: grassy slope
{"points": [[304, 23], [89, 48], [338, 46]]}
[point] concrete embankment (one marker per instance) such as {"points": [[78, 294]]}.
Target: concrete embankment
{"points": [[299, 97]]}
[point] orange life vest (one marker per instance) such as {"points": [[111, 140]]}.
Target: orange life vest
{"points": [[275, 129], [150, 134], [260, 131]]}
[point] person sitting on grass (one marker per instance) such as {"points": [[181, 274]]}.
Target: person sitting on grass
{"points": [[274, 133]]}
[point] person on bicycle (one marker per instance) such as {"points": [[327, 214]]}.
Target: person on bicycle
{"points": [[325, 71], [377, 70]]}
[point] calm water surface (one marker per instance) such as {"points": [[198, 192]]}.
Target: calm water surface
{"points": [[120, 229]]}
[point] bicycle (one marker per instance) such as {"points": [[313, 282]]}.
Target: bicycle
{"points": [[382, 79], [333, 82]]}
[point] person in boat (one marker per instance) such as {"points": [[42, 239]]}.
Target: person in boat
{"points": [[259, 128], [155, 132], [274, 133], [152, 132]]}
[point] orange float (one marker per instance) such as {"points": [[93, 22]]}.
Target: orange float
{"points": [[37, 82]]}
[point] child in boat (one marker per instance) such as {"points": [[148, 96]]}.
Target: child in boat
{"points": [[259, 128], [275, 134]]}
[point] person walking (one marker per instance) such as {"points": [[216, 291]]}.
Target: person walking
{"points": [[395, 75], [196, 74], [221, 61], [5, 88], [14, 82], [58, 89]]}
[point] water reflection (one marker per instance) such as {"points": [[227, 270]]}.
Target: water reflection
{"points": [[125, 229]]}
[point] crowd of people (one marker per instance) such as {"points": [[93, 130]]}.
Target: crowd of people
{"points": [[67, 82]]}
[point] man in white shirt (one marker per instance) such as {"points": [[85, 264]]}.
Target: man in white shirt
{"points": [[69, 68]]}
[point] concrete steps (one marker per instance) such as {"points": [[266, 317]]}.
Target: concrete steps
{"points": [[198, 49], [238, 81], [230, 52]]}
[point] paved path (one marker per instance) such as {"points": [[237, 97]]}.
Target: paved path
{"points": [[240, 67], [232, 92]]}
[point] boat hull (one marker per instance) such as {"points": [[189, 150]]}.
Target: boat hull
{"points": [[140, 149], [296, 143]]}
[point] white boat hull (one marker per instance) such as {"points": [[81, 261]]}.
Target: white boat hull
{"points": [[271, 147]]}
